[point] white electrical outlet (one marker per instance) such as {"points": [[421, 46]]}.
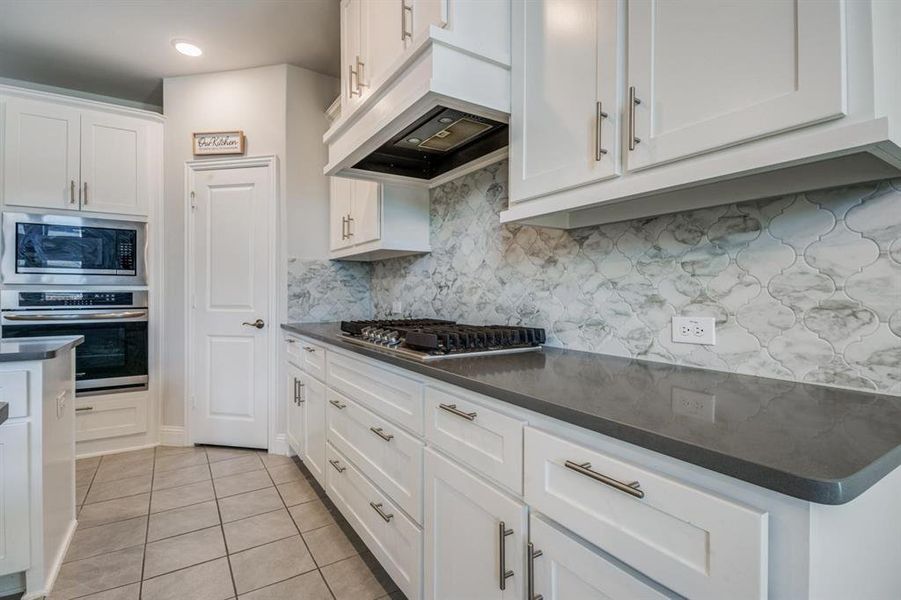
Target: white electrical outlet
{"points": [[396, 307], [694, 330]]}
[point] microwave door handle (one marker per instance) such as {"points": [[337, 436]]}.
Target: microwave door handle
{"points": [[129, 314]]}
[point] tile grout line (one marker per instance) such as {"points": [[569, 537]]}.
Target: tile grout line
{"points": [[228, 560], [147, 530]]}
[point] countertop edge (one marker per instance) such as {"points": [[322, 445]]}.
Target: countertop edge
{"points": [[66, 343], [819, 491], [4, 412]]}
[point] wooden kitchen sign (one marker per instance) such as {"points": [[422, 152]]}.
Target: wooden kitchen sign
{"points": [[218, 142]]}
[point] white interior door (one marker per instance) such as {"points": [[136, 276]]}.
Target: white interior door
{"points": [[714, 73], [230, 291]]}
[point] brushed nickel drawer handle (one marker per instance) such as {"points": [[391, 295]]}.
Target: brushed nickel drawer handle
{"points": [[533, 554], [600, 115], [404, 34], [337, 465], [84, 408], [378, 508], [84, 200], [381, 433], [308, 349], [633, 489], [337, 404], [452, 409], [503, 572], [72, 192]]}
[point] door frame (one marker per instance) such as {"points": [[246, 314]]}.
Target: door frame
{"points": [[278, 293]]}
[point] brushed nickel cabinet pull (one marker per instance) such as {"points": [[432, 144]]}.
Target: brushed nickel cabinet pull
{"points": [[378, 508], [84, 408], [404, 34], [452, 409], [344, 227], [533, 554], [633, 489], [600, 115], [381, 433], [337, 465], [352, 90], [633, 102], [360, 83], [337, 404], [84, 199], [308, 349], [350, 232], [72, 192], [503, 573]]}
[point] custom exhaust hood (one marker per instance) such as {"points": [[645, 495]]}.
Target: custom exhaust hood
{"points": [[443, 109]]}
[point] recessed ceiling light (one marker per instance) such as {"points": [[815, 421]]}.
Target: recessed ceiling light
{"points": [[445, 120], [413, 140], [187, 48]]}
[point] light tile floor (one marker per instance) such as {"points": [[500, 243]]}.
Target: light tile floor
{"points": [[211, 523]]}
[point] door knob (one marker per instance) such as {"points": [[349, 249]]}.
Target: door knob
{"points": [[259, 324]]}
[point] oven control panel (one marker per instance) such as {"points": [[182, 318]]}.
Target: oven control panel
{"points": [[73, 299]]}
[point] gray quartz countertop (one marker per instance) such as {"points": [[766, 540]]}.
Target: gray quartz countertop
{"points": [[821, 444], [4, 412], [36, 348]]}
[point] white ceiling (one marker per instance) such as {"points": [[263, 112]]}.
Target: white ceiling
{"points": [[122, 48]]}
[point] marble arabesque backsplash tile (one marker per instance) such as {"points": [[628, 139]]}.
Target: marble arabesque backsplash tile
{"points": [[804, 287]]}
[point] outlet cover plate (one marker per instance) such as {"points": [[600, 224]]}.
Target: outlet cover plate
{"points": [[694, 330]]}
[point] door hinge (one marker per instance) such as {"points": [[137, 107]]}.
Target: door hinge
{"points": [[193, 203]]}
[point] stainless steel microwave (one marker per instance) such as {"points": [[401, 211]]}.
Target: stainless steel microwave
{"points": [[66, 250]]}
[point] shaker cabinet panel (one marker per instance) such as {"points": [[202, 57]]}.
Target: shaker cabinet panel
{"points": [[41, 155], [465, 553], [365, 217], [382, 37], [312, 394], [351, 49], [115, 166], [294, 416], [15, 547], [707, 74], [564, 123], [339, 213]]}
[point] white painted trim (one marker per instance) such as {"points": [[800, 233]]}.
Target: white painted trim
{"points": [[116, 451], [171, 435], [277, 280], [57, 564], [280, 445], [9, 87]]}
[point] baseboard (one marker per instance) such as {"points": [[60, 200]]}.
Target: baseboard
{"points": [[279, 445], [116, 450], [57, 564], [172, 436]]}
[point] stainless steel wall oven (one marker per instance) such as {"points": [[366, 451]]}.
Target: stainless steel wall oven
{"points": [[114, 356]]}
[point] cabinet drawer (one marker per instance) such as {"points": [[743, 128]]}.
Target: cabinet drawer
{"points": [[394, 539], [14, 391], [565, 568], [293, 351], [312, 359], [122, 414], [384, 392], [690, 540], [480, 437], [387, 455]]}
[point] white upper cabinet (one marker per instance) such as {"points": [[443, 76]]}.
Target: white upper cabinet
{"points": [[58, 156], [564, 126], [351, 49], [708, 102], [114, 164], [708, 74], [383, 36], [40, 155], [371, 220]]}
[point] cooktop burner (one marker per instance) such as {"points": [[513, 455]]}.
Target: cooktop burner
{"points": [[429, 339]]}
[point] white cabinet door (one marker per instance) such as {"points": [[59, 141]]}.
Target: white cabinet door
{"points": [[312, 394], [351, 48], [40, 150], [339, 212], [115, 165], [294, 423], [423, 13], [382, 39], [564, 125], [365, 223], [710, 74], [564, 569], [465, 552], [15, 548]]}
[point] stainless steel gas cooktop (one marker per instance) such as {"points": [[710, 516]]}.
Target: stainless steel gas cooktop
{"points": [[432, 339]]}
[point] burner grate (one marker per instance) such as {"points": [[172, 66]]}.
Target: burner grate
{"points": [[471, 338], [357, 327]]}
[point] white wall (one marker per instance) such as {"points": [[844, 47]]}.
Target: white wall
{"points": [[281, 110]]}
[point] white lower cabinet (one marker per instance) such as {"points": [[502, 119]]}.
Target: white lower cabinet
{"points": [[312, 396], [294, 414], [562, 568], [393, 538], [474, 536], [692, 541], [15, 550], [100, 417]]}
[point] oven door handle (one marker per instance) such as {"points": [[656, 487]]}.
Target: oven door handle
{"points": [[128, 314]]}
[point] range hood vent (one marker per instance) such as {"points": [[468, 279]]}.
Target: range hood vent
{"points": [[438, 142]]}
